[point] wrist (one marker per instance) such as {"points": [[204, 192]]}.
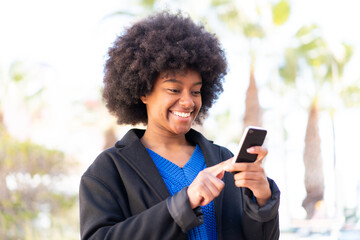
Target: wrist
{"points": [[192, 204], [262, 202]]}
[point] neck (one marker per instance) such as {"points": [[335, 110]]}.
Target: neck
{"points": [[156, 139]]}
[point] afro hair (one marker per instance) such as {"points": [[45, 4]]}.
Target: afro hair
{"points": [[158, 43]]}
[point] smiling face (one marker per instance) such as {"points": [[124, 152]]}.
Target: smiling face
{"points": [[174, 102]]}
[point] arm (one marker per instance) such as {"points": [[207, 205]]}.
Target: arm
{"points": [[260, 219], [105, 214], [261, 222]]}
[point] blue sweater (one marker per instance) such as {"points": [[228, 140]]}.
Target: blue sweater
{"points": [[177, 178]]}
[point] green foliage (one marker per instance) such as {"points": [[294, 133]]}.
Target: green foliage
{"points": [[313, 49], [289, 70], [253, 30], [28, 174], [27, 157], [345, 58], [231, 16], [18, 71], [305, 30], [238, 20], [281, 12], [351, 95], [217, 3], [314, 45], [148, 3]]}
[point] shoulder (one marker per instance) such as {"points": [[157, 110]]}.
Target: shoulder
{"points": [[105, 164], [102, 173]]}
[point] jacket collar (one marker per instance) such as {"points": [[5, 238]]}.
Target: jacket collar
{"points": [[211, 152], [135, 154]]}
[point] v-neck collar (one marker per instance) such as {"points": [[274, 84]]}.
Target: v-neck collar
{"points": [[169, 170], [169, 164]]}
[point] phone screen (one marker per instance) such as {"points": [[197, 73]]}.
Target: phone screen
{"points": [[252, 136]]}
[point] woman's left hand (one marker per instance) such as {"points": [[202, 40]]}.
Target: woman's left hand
{"points": [[252, 176]]}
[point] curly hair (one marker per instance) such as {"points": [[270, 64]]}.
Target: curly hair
{"points": [[158, 43]]}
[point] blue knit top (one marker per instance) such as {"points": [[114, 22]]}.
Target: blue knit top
{"points": [[177, 178]]}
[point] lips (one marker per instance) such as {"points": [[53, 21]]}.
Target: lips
{"points": [[181, 114]]}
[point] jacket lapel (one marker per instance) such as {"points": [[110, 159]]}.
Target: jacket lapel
{"points": [[134, 153]]}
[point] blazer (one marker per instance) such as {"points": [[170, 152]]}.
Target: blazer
{"points": [[123, 196]]}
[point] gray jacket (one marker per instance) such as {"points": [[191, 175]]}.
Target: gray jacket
{"points": [[123, 196]]}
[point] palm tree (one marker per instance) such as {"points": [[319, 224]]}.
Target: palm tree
{"points": [[253, 110], [255, 31], [313, 54]]}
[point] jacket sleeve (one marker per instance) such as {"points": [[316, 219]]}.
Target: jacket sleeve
{"points": [[106, 215], [261, 222]]}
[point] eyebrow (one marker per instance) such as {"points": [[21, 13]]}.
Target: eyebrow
{"points": [[173, 80]]}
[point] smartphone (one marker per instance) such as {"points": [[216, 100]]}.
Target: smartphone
{"points": [[252, 136]]}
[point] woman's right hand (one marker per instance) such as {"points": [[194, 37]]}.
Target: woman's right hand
{"points": [[207, 185]]}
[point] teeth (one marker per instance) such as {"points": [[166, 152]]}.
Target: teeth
{"points": [[182, 114]]}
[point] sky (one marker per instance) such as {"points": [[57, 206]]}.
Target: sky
{"points": [[68, 41]]}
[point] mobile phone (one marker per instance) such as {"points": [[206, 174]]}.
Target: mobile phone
{"points": [[252, 136]]}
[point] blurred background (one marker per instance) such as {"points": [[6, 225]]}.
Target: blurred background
{"points": [[293, 69]]}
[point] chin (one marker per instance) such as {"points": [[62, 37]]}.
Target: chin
{"points": [[181, 131]]}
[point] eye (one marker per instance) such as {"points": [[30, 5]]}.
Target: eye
{"points": [[172, 90], [196, 93]]}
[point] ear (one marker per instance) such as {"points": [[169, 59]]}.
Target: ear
{"points": [[143, 99]]}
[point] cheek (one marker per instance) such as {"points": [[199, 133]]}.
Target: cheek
{"points": [[199, 102]]}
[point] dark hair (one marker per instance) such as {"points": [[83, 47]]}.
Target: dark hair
{"points": [[161, 42]]}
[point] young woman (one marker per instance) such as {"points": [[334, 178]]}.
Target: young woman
{"points": [[169, 181]]}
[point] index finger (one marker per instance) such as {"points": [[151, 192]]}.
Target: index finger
{"points": [[242, 167], [218, 168]]}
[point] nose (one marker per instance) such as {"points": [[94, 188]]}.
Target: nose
{"points": [[187, 100]]}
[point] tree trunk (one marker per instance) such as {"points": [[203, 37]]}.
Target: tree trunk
{"points": [[110, 138], [253, 111], [314, 176]]}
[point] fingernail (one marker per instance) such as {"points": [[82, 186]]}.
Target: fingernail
{"points": [[250, 150]]}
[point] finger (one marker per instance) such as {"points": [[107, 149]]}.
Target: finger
{"points": [[238, 167], [251, 180], [195, 197], [249, 176], [257, 150], [218, 169], [218, 185], [260, 189], [260, 151], [207, 193], [212, 182], [246, 183]]}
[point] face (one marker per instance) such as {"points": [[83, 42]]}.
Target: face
{"points": [[174, 102]]}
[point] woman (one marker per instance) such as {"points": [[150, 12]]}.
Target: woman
{"points": [[169, 181]]}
